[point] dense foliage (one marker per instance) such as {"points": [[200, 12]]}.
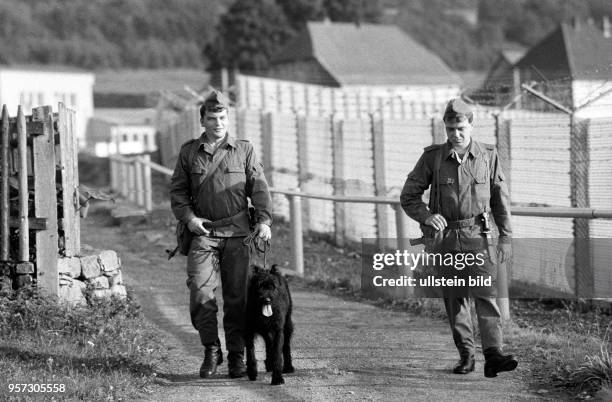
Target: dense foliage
{"points": [[174, 33]]}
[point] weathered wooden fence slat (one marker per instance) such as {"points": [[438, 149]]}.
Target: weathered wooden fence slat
{"points": [[22, 141], [67, 162], [45, 201], [4, 187]]}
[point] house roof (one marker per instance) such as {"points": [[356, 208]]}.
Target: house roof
{"points": [[149, 81], [367, 54], [579, 52]]}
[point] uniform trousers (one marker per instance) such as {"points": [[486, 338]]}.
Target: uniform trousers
{"points": [[212, 259], [457, 303]]}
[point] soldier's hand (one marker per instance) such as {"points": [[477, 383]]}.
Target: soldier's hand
{"points": [[504, 252], [436, 221], [196, 226], [263, 231]]}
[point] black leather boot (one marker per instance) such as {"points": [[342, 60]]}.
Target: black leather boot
{"points": [[235, 364], [496, 362], [465, 365], [212, 358]]}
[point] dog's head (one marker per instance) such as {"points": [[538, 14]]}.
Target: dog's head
{"points": [[266, 285]]}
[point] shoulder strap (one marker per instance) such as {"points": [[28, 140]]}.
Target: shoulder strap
{"points": [[218, 156]]}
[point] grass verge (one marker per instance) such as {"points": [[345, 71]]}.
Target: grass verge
{"points": [[105, 351]]}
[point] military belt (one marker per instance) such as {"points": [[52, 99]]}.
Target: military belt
{"points": [[463, 223], [224, 221]]}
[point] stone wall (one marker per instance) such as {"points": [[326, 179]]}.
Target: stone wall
{"points": [[98, 275]]}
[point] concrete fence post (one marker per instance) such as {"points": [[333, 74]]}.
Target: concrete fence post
{"points": [[579, 184], [297, 247], [337, 127], [380, 188]]}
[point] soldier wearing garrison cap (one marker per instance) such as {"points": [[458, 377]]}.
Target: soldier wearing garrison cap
{"points": [[467, 186], [214, 178]]}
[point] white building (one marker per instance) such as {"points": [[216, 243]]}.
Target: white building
{"points": [[122, 131], [32, 86]]}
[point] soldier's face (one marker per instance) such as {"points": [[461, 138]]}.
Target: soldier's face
{"points": [[458, 132], [215, 124]]}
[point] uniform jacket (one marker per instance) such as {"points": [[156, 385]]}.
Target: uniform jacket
{"points": [[466, 190], [225, 193]]}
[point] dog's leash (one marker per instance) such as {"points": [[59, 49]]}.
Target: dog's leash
{"points": [[256, 243]]}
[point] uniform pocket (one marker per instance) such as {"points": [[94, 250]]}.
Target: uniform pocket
{"points": [[235, 175], [197, 175], [480, 173]]}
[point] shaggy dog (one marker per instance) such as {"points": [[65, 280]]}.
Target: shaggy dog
{"points": [[269, 315]]}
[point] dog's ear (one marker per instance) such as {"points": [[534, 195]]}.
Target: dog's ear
{"points": [[274, 270]]}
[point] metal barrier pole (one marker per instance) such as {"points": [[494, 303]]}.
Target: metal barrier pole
{"points": [[297, 247], [148, 191]]}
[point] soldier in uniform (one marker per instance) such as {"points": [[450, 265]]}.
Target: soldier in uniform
{"points": [[213, 177], [467, 186]]}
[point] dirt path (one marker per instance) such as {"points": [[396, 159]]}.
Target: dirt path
{"points": [[343, 350]]}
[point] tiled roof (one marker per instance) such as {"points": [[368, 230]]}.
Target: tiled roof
{"points": [[368, 54]]}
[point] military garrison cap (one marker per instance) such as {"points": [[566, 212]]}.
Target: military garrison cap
{"points": [[458, 109], [215, 102]]}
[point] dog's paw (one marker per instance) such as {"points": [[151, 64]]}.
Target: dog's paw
{"points": [[252, 376], [277, 380], [289, 369]]}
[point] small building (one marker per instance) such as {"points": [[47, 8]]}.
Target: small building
{"points": [[573, 66], [31, 86], [498, 88], [372, 58], [121, 131]]}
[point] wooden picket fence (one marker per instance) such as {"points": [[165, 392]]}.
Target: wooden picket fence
{"points": [[39, 218]]}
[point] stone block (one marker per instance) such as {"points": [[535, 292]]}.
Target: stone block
{"points": [[70, 266], [115, 279], [100, 282], [119, 291], [23, 268], [73, 293], [109, 261], [90, 266]]}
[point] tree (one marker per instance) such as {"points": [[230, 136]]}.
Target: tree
{"points": [[298, 12], [248, 35], [353, 10]]}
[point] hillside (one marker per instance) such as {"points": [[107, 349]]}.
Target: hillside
{"points": [[102, 34]]}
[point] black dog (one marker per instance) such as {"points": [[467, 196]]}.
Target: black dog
{"points": [[269, 315]]}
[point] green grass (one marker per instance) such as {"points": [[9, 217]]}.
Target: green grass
{"points": [[104, 351]]}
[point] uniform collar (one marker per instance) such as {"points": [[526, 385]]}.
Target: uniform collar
{"points": [[228, 141], [474, 149]]}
